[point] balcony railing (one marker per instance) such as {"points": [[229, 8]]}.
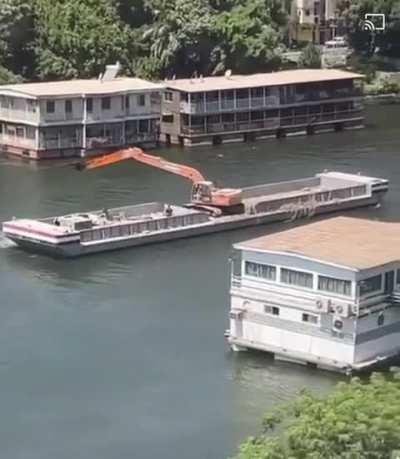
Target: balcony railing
{"points": [[271, 123], [229, 104], [21, 142], [213, 128], [18, 115], [267, 102], [62, 142]]}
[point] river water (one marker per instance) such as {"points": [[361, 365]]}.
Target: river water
{"points": [[122, 355]]}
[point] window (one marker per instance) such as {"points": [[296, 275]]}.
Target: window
{"points": [[89, 105], [274, 310], [309, 318], [20, 131], [371, 284], [50, 106], [168, 118], [31, 105], [259, 270], [68, 106], [381, 319], [127, 102], [398, 276], [141, 100], [105, 103], [339, 286], [168, 96], [299, 278], [144, 126]]}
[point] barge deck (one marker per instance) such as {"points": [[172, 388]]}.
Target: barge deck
{"points": [[110, 229]]}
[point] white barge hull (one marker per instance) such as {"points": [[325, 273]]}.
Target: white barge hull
{"points": [[148, 223]]}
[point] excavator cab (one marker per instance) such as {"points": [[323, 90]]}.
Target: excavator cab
{"points": [[202, 192]]}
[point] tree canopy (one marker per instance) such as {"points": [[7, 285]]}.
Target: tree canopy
{"points": [[357, 420], [55, 39]]}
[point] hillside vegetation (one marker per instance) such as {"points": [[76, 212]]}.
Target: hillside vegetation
{"points": [[58, 39]]}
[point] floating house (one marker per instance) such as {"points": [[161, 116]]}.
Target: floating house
{"points": [[230, 108], [78, 117], [327, 293]]}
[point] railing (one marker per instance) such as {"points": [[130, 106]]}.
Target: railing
{"points": [[267, 102], [318, 118], [23, 115], [232, 127], [98, 142], [14, 141], [271, 123], [63, 142], [229, 104]]}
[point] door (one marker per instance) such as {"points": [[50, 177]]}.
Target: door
{"points": [[389, 281]]}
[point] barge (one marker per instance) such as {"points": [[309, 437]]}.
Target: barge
{"points": [[326, 294], [109, 229]]}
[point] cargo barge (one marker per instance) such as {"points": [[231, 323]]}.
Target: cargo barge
{"points": [[109, 229]]}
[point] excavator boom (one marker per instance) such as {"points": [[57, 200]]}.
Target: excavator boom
{"points": [[203, 191], [139, 155]]}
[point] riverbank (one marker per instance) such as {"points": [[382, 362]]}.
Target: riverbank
{"points": [[392, 98]]}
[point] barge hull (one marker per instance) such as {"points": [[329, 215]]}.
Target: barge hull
{"points": [[76, 249], [112, 229]]}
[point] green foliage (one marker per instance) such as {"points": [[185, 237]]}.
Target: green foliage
{"points": [[250, 36], [357, 420], [310, 57], [387, 41], [180, 37], [78, 38], [16, 38]]}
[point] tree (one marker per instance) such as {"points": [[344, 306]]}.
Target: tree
{"points": [[180, 38], [310, 57], [77, 38], [16, 38], [357, 420], [366, 41], [250, 36]]}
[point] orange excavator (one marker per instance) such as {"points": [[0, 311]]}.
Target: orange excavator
{"points": [[203, 191]]}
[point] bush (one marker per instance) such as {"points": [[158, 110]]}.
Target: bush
{"points": [[357, 420]]}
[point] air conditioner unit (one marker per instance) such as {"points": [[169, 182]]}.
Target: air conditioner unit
{"points": [[342, 310], [236, 314], [355, 309], [322, 305]]}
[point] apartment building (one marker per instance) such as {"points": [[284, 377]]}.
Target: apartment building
{"points": [[231, 108], [313, 21], [78, 117]]}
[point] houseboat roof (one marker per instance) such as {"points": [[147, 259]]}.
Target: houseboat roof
{"points": [[71, 88], [285, 77], [353, 243]]}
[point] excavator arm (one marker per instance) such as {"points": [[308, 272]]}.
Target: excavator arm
{"points": [[139, 155]]}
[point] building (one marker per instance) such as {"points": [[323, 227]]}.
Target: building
{"points": [[312, 21], [327, 293], [212, 110], [78, 117]]}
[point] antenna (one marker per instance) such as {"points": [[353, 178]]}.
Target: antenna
{"points": [[111, 72]]}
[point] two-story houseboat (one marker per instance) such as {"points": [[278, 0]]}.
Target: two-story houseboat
{"points": [[327, 293], [77, 117], [233, 108]]}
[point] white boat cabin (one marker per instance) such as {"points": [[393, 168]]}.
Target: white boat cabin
{"points": [[326, 293]]}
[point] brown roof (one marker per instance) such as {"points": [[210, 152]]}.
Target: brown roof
{"points": [[351, 242], [260, 79], [80, 87]]}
